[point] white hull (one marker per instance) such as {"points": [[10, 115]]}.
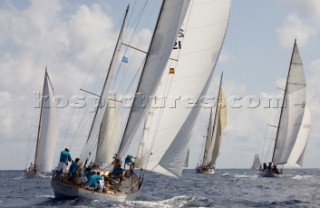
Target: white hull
{"points": [[128, 190], [205, 170]]}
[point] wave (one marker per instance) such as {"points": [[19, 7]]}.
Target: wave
{"points": [[302, 177]]}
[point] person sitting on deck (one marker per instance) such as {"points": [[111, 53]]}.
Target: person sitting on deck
{"points": [[73, 170], [117, 173], [65, 156], [81, 178], [93, 183], [128, 161]]}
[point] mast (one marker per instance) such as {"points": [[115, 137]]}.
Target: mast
{"points": [[111, 65], [40, 119], [283, 101]]}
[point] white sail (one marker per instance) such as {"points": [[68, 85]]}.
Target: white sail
{"points": [[292, 110], [166, 31], [256, 162], [198, 47], [97, 131], [296, 156], [110, 133], [48, 129]]}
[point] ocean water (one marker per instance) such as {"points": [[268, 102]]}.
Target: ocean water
{"points": [[227, 188]]}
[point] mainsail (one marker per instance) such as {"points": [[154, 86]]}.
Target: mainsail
{"points": [[256, 162], [188, 71], [292, 111], [47, 129]]}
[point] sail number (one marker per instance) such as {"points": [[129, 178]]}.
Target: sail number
{"points": [[177, 44]]}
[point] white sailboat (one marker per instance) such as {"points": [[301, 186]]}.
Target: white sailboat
{"points": [[213, 138], [294, 122], [166, 135], [157, 56], [256, 162], [47, 133]]}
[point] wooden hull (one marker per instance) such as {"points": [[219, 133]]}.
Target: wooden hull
{"points": [[205, 170], [128, 190]]}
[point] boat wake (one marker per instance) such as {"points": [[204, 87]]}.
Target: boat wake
{"points": [[178, 201], [302, 177]]}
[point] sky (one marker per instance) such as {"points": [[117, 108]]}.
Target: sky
{"points": [[74, 39]]}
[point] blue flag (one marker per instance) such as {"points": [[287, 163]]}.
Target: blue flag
{"points": [[125, 59]]}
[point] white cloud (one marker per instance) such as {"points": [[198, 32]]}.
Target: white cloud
{"points": [[294, 27], [307, 8]]}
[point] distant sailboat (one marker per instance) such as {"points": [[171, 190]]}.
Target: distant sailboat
{"points": [[294, 122], [213, 138], [256, 162], [157, 56], [47, 133]]}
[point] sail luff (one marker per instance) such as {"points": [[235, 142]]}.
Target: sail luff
{"points": [[99, 113], [158, 53]]}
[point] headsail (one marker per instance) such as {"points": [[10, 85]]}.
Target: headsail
{"points": [[296, 157], [47, 130], [292, 110], [98, 130], [167, 130], [172, 11]]}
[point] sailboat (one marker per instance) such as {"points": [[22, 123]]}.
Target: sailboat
{"points": [[47, 133], [213, 138], [256, 162], [159, 50], [294, 125]]}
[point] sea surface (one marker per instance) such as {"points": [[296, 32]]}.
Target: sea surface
{"points": [[226, 188]]}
